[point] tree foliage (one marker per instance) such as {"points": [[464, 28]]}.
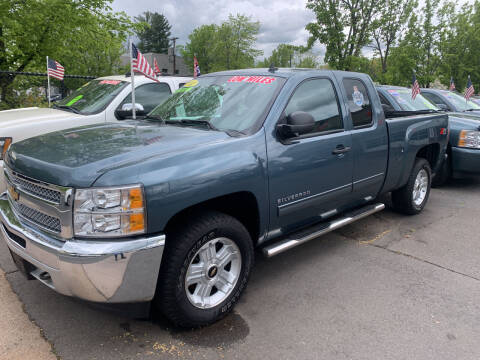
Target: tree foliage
{"points": [[286, 55], [154, 37], [230, 45], [84, 36], [343, 26]]}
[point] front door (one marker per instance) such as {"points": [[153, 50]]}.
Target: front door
{"points": [[311, 175]]}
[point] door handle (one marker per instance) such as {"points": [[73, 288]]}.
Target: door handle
{"points": [[341, 149]]}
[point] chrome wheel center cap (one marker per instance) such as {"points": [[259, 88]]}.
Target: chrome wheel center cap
{"points": [[212, 272]]}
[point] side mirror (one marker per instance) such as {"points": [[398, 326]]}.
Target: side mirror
{"points": [[298, 123], [387, 108], [126, 111], [442, 106]]}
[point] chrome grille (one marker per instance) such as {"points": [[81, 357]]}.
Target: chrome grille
{"points": [[48, 222], [36, 190]]}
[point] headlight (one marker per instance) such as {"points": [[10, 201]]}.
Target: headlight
{"points": [[109, 212], [5, 143], [469, 139]]}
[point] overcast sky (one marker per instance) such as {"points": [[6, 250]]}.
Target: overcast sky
{"points": [[282, 21]]}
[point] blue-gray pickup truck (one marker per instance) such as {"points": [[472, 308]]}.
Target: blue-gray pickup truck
{"points": [[463, 152], [168, 210]]}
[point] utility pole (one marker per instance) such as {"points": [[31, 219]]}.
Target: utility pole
{"points": [[174, 39]]}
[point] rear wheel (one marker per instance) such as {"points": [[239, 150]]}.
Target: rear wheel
{"points": [[205, 269], [412, 198]]}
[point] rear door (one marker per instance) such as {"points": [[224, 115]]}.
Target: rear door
{"points": [[310, 176], [369, 137]]}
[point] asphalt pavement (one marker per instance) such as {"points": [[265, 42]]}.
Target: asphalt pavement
{"points": [[387, 287]]}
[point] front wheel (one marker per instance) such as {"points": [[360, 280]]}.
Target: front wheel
{"points": [[205, 269], [412, 198]]}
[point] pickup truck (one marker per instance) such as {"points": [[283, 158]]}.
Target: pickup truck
{"points": [[170, 208], [463, 152], [106, 99]]}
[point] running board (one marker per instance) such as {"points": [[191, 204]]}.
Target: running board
{"points": [[315, 231]]}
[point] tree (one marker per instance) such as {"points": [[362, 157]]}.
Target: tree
{"points": [[154, 37], [286, 55], [344, 26], [84, 36], [388, 27], [230, 45]]}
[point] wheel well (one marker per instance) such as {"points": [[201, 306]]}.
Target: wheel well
{"points": [[430, 153], [241, 205]]}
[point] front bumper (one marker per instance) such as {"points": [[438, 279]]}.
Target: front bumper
{"points": [[465, 162], [121, 271]]}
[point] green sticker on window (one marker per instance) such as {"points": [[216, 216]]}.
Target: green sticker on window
{"points": [[74, 100]]}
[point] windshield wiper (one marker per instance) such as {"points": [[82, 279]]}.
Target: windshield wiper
{"points": [[201, 122], [472, 109], [155, 117], [66, 107]]}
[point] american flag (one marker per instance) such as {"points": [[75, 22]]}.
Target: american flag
{"points": [[55, 69], [196, 67], [415, 87], [156, 68], [140, 64], [469, 91], [452, 84]]}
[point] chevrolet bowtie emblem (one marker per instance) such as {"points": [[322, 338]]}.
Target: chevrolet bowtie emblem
{"points": [[13, 193]]}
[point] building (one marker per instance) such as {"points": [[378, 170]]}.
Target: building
{"points": [[165, 63]]}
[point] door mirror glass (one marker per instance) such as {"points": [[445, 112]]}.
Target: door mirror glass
{"points": [[298, 123], [125, 112]]}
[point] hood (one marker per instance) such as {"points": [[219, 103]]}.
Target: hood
{"points": [[472, 115], [77, 157], [27, 115]]}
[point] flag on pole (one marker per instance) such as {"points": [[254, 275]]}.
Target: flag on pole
{"points": [[196, 67], [55, 69], [155, 67], [469, 91], [140, 64], [415, 87], [452, 84]]}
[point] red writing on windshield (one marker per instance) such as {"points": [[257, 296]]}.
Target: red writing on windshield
{"points": [[110, 82], [252, 79]]}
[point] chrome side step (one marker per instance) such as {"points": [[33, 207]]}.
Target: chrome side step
{"points": [[317, 230]]}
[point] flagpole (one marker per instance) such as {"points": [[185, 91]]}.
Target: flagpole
{"points": [[132, 76], [48, 84]]}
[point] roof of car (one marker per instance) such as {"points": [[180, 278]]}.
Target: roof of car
{"points": [[392, 87], [281, 72], [142, 78]]}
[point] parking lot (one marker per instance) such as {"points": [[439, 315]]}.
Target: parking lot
{"points": [[387, 287]]}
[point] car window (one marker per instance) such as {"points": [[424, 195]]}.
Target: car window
{"points": [[358, 102], [459, 101], [403, 98], [318, 98], [434, 98], [149, 95], [383, 100]]}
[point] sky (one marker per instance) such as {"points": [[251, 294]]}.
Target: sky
{"points": [[282, 21]]}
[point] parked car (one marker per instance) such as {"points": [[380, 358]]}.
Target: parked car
{"points": [[170, 208], [450, 100], [463, 153], [102, 100]]}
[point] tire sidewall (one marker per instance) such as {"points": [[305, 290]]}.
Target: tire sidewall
{"points": [[205, 316]]}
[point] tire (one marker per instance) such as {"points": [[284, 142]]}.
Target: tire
{"points": [[189, 251], [443, 174], [403, 198]]}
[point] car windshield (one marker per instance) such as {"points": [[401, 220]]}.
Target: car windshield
{"points": [[226, 103], [92, 97], [403, 97], [459, 101]]}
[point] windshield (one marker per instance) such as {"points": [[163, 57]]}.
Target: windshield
{"points": [[225, 102], [403, 97], [92, 97], [459, 101]]}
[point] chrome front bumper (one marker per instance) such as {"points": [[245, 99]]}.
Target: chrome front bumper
{"points": [[121, 271]]}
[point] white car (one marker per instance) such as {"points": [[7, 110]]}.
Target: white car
{"points": [[106, 99]]}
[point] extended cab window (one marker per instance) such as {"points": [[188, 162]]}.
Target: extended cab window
{"points": [[358, 102], [318, 98], [149, 95]]}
